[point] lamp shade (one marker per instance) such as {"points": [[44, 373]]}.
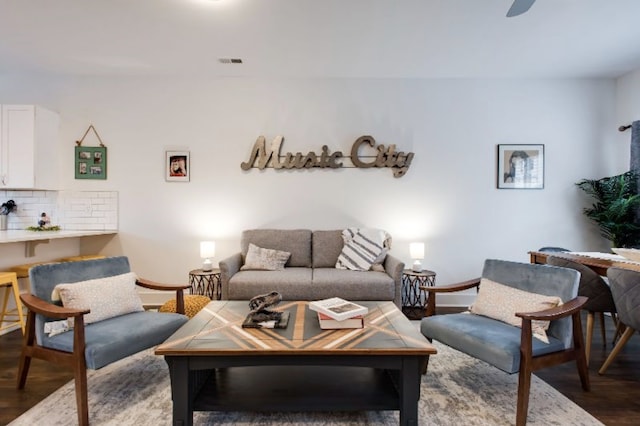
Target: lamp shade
{"points": [[207, 249], [416, 250]]}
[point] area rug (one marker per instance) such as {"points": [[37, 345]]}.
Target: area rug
{"points": [[457, 390]]}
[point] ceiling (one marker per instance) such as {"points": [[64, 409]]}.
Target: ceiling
{"points": [[321, 38]]}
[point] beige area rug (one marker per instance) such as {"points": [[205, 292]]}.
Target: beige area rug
{"points": [[457, 390]]}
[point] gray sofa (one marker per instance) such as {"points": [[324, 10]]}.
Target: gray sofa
{"points": [[310, 272]]}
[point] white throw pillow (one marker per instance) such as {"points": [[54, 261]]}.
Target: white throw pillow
{"points": [[363, 248], [501, 302], [262, 259], [106, 297]]}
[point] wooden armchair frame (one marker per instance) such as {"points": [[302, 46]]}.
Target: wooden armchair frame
{"points": [[76, 359], [528, 362]]}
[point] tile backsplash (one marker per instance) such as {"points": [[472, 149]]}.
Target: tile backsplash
{"points": [[71, 210]]}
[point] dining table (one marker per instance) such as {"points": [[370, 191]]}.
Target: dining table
{"points": [[599, 262]]}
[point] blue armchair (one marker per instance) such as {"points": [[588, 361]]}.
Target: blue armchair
{"points": [[101, 342], [508, 347]]}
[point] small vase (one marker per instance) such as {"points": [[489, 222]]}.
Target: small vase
{"points": [[3, 222]]}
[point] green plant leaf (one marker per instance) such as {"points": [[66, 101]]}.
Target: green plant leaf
{"points": [[615, 209]]}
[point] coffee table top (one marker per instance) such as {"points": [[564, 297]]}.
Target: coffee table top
{"points": [[217, 330]]}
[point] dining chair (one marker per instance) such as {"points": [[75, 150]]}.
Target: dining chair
{"points": [[593, 286], [625, 287]]}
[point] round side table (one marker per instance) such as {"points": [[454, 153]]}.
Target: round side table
{"points": [[206, 283], [414, 299]]}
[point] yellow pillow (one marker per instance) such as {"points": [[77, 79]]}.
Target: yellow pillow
{"points": [[501, 302]]}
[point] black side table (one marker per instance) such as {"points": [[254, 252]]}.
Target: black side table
{"points": [[207, 283], [414, 299]]}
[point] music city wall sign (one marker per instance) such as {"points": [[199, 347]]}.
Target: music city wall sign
{"points": [[380, 156]]}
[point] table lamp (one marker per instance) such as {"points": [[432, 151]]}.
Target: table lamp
{"points": [[416, 250], [207, 251]]}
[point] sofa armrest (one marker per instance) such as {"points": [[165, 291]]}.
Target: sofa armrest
{"points": [[228, 268], [394, 267]]}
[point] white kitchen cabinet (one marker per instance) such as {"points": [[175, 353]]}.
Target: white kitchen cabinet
{"points": [[28, 147]]}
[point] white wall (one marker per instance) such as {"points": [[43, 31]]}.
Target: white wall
{"points": [[448, 198]]}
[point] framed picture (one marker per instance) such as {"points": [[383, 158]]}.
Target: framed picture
{"points": [[520, 166], [91, 162], [177, 167]]}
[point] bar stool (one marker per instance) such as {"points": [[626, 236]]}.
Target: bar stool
{"points": [[9, 281]]}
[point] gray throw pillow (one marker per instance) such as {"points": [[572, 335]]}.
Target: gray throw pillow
{"points": [[262, 259]]}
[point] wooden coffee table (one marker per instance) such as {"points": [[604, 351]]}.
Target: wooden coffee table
{"points": [[215, 365]]}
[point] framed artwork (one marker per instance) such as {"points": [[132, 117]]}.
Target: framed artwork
{"points": [[91, 162], [177, 167], [520, 166]]}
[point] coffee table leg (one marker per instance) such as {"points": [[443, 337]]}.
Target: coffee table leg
{"points": [[182, 400], [409, 391]]}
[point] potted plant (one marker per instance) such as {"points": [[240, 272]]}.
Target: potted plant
{"points": [[615, 210], [5, 209]]}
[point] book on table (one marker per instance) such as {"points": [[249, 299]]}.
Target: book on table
{"points": [[328, 323], [337, 308]]}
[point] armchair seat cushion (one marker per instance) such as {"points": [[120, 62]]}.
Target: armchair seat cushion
{"points": [[115, 338], [484, 338]]}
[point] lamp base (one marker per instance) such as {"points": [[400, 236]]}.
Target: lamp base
{"points": [[207, 265], [417, 266]]}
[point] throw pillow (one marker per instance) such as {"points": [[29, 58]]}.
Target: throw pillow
{"points": [[106, 297], [262, 259], [363, 248], [501, 302]]}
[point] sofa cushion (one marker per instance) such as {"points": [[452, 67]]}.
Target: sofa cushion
{"points": [[490, 340], [326, 247], [295, 241], [291, 283], [351, 285], [106, 297], [262, 259]]}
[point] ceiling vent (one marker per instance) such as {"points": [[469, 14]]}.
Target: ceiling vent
{"points": [[230, 60]]}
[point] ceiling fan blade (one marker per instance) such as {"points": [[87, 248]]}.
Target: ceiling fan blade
{"points": [[519, 7]]}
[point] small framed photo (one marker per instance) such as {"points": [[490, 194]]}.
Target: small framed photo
{"points": [[177, 167], [520, 166], [91, 162]]}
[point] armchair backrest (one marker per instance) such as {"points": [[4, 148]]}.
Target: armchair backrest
{"points": [[541, 279], [43, 278]]}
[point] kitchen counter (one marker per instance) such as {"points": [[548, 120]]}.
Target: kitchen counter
{"points": [[12, 236], [33, 238]]}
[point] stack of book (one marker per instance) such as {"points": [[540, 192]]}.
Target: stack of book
{"points": [[336, 313]]}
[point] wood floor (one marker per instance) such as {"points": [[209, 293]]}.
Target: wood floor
{"points": [[614, 398]]}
